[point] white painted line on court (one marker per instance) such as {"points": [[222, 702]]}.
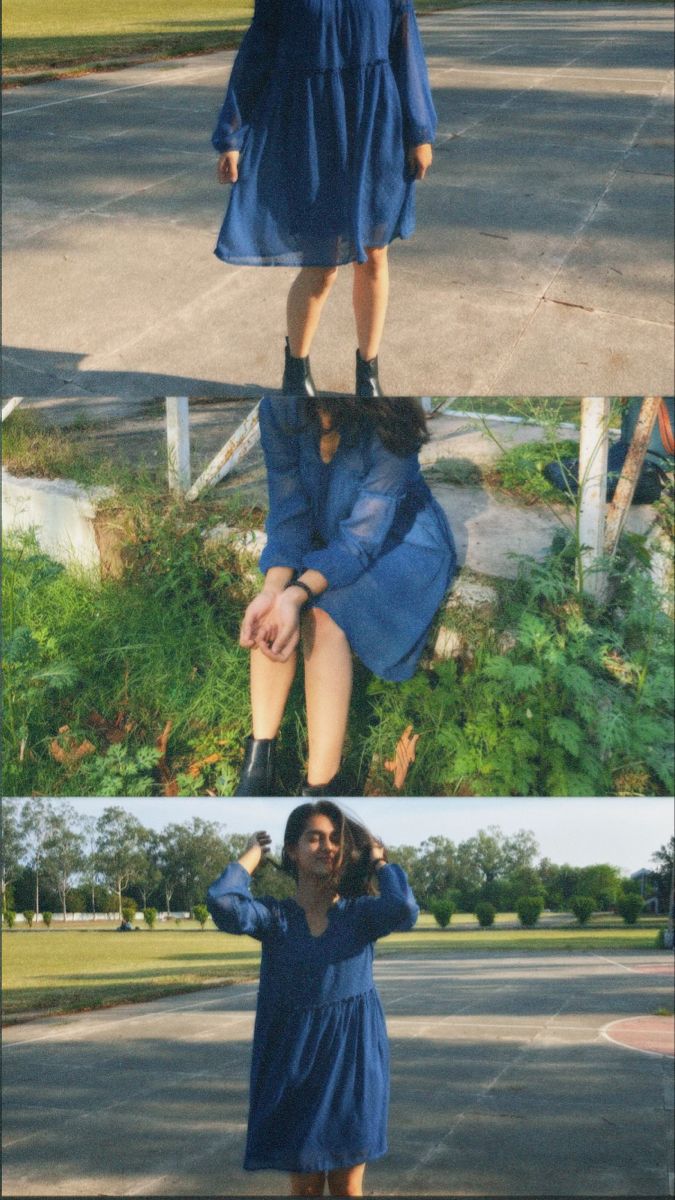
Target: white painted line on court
{"points": [[615, 962], [604, 1032], [66, 1030], [129, 87]]}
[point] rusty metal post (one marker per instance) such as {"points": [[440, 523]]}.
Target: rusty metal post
{"points": [[632, 469], [593, 462], [178, 443], [235, 449]]}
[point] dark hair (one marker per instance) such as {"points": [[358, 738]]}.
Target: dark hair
{"points": [[400, 423], [354, 872]]}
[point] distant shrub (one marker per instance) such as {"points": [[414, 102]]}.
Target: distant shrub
{"points": [[47, 918], [150, 917], [529, 910], [583, 908], [128, 909], [29, 917], [485, 914], [442, 911], [201, 913], [630, 906], [9, 917]]}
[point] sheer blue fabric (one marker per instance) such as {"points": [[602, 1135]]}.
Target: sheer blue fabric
{"points": [[369, 523], [320, 1064], [323, 103]]}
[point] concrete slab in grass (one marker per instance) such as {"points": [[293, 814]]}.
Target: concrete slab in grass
{"points": [[62, 514], [588, 354]]}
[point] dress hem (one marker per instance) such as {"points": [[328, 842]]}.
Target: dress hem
{"points": [[325, 1165], [272, 260]]}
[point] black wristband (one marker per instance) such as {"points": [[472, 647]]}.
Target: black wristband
{"points": [[305, 587]]}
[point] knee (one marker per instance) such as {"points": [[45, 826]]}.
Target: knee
{"points": [[376, 264], [320, 279], [341, 1187], [324, 628]]}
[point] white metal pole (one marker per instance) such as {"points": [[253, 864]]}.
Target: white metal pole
{"points": [[10, 405], [593, 461], [178, 443]]}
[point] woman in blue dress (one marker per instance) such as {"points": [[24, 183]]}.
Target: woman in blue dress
{"points": [[326, 125], [359, 558], [320, 1066]]}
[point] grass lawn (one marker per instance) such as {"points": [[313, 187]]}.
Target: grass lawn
{"points": [[71, 36], [60, 971], [67, 35]]}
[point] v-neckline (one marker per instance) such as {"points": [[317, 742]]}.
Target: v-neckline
{"points": [[316, 937]]}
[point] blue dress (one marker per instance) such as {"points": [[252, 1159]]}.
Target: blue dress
{"points": [[369, 523], [325, 99], [320, 1066]]}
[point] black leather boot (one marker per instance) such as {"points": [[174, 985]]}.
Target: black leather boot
{"points": [[297, 376], [367, 381], [334, 788], [257, 773]]}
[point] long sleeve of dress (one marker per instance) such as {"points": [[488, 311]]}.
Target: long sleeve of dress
{"points": [[250, 73], [394, 910], [232, 906], [363, 533], [410, 72], [289, 524]]}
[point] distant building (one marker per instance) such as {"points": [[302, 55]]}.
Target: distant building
{"points": [[645, 879]]}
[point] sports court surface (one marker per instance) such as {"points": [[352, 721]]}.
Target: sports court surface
{"points": [[509, 1077], [541, 265]]}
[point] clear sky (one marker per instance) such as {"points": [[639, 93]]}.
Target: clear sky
{"points": [[624, 832]]}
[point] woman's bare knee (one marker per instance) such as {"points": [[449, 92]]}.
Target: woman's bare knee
{"points": [[319, 280], [308, 1185], [347, 1182], [319, 628], [376, 262]]}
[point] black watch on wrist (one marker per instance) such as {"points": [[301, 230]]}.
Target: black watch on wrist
{"points": [[304, 586]]}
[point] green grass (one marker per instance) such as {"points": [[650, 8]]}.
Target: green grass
{"points": [[71, 36], [60, 971]]}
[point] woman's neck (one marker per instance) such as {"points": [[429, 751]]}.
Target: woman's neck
{"points": [[315, 895]]}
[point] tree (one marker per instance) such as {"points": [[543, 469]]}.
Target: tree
{"points": [[485, 914], [191, 856], [201, 913], [34, 826], [630, 906], [435, 871], [150, 917], [28, 916], [9, 917], [529, 910], [90, 870], [582, 907], [47, 918], [11, 847], [128, 907], [63, 851], [119, 852], [442, 911], [148, 877], [664, 876]]}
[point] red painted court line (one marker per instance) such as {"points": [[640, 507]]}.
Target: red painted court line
{"points": [[651, 1035], [656, 969]]}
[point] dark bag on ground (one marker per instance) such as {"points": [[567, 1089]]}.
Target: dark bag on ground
{"points": [[565, 475]]}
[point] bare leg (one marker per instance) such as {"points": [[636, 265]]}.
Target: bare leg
{"points": [[270, 685], [306, 298], [370, 296], [348, 1182], [328, 691], [308, 1185]]}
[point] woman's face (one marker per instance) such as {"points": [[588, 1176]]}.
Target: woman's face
{"points": [[318, 850]]}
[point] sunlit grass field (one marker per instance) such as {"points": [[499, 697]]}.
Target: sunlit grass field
{"points": [[66, 34], [59, 971]]}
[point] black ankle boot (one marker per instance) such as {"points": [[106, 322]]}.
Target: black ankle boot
{"points": [[297, 376], [257, 773], [367, 381], [334, 788]]}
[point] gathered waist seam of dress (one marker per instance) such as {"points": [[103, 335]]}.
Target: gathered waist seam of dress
{"points": [[295, 1008], [302, 69]]}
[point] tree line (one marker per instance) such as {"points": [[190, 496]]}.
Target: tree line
{"points": [[54, 858]]}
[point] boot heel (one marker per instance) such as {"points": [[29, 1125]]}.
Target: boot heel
{"points": [[297, 379], [257, 773]]}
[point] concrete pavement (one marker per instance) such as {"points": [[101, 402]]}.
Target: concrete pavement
{"points": [[503, 1083], [541, 265]]}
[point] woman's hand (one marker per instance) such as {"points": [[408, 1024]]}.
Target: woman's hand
{"points": [[228, 167], [420, 159], [279, 632], [254, 617], [257, 849], [378, 854]]}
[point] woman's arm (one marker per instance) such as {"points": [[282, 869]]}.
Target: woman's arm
{"points": [[363, 533], [412, 80], [395, 910], [249, 76], [229, 899]]}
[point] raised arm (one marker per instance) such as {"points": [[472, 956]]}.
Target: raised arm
{"points": [[395, 910], [363, 533], [249, 76], [229, 899], [410, 72]]}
